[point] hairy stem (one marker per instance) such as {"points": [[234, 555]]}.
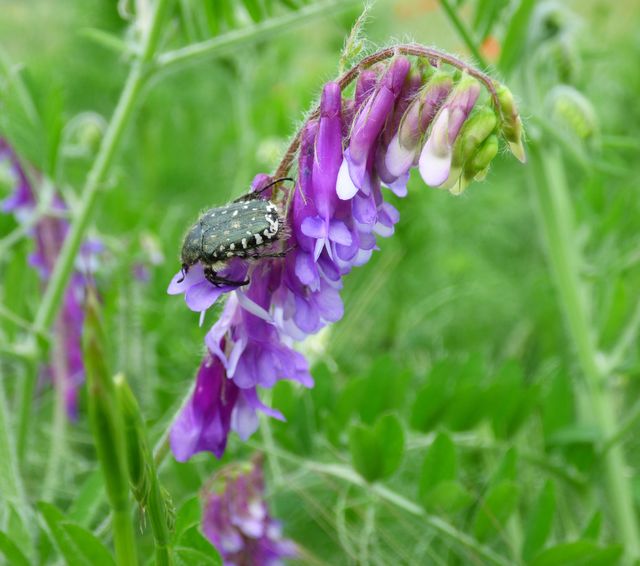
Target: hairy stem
{"points": [[349, 76], [227, 43], [551, 191]]}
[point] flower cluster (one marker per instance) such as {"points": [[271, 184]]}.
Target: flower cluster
{"points": [[446, 121], [48, 231], [237, 522]]}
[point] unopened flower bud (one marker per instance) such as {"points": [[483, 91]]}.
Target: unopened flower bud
{"points": [[476, 129], [404, 146], [512, 124], [573, 110], [477, 166]]}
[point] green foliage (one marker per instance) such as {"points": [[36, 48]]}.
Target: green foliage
{"points": [[377, 450], [457, 412]]}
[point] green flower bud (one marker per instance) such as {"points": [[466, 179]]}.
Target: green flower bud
{"points": [[571, 108], [511, 123], [476, 129], [103, 408], [478, 165], [145, 485]]}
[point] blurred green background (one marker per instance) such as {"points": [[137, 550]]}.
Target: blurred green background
{"points": [[455, 325]]}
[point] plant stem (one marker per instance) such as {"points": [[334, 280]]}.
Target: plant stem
{"points": [[224, 44], [11, 488], [464, 33], [123, 537], [551, 191], [113, 135]]}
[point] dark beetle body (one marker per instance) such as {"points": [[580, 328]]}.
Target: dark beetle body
{"points": [[243, 228]]}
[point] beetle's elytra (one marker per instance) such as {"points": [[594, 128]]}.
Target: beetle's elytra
{"points": [[243, 228]]}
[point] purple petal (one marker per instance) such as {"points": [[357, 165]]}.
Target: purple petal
{"points": [[201, 296]]}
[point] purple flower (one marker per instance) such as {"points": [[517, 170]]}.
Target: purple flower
{"points": [[324, 228], [236, 519], [65, 367], [368, 123], [217, 406], [403, 149], [349, 151]]}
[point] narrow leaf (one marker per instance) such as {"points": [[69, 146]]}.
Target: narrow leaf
{"points": [[540, 521], [440, 465], [390, 440], [11, 551], [497, 506]]}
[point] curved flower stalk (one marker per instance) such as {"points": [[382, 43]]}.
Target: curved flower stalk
{"points": [[48, 232], [431, 111], [236, 518]]}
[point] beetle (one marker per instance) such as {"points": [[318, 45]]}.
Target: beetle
{"points": [[244, 228]]}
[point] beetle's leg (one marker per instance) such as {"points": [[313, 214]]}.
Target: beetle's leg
{"points": [[184, 271], [215, 279]]}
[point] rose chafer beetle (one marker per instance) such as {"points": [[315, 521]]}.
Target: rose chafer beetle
{"points": [[244, 228]]}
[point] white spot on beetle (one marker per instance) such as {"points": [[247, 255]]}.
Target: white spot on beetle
{"points": [[244, 243], [221, 248], [266, 232], [245, 207], [258, 238], [232, 246], [224, 211], [229, 254], [235, 213]]}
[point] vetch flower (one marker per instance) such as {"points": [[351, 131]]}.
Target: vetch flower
{"points": [[237, 521], [433, 112], [65, 368], [368, 123]]}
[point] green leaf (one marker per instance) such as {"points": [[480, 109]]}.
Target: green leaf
{"points": [[254, 9], [88, 500], [189, 515], [66, 545], [448, 497], [377, 451], [440, 465], [432, 400], [540, 521], [592, 529], [497, 506], [363, 446], [516, 36], [11, 551], [509, 400], [558, 405], [189, 556], [88, 544], [508, 468], [390, 437], [194, 544], [579, 553], [486, 14], [385, 389]]}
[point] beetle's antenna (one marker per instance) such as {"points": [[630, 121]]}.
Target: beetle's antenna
{"points": [[183, 270], [274, 182]]}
